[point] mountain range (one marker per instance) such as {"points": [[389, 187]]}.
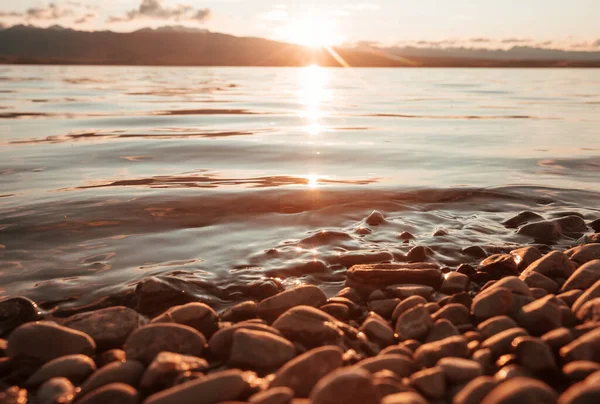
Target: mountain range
{"points": [[180, 46]]}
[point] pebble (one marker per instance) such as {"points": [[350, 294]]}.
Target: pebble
{"points": [[228, 385], [584, 253], [306, 295], [401, 365], [499, 265], [584, 277], [113, 355], [406, 291], [537, 280], [584, 348], [460, 370], [591, 293], [148, 341], [414, 323], [155, 295], [525, 256], [275, 395], [114, 393], [590, 311], [544, 232], [108, 327], [475, 391], [492, 302], [570, 297], [406, 236], [400, 349], [13, 395], [441, 329], [349, 385], [419, 254], [44, 341], [474, 251], [220, 343], [15, 311], [514, 284], [378, 276], [553, 265], [496, 325], [595, 225], [260, 350], [240, 312], [522, 218], [558, 338], [199, 316], [428, 355], [166, 366], [521, 390], [456, 313], [75, 368], [454, 282], [309, 326], [540, 316], [338, 310], [376, 218], [378, 331], [302, 373], [384, 307], [129, 372], [430, 382], [511, 371], [534, 354], [581, 393], [407, 397], [407, 304], [501, 343], [58, 390], [577, 371]]}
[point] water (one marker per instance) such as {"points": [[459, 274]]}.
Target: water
{"points": [[225, 177]]}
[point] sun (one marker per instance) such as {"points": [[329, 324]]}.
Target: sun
{"points": [[314, 32]]}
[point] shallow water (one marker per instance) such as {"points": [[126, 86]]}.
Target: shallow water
{"points": [[228, 176]]}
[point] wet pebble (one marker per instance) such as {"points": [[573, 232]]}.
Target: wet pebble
{"points": [[534, 354], [430, 382], [199, 316], [401, 365], [75, 368], [129, 372], [525, 256], [414, 323], [537, 280], [407, 397], [377, 276], [475, 391], [584, 253], [113, 355], [378, 331], [348, 385], [499, 265], [492, 302], [275, 395], [166, 366], [521, 390], [306, 295], [581, 393], [376, 218], [260, 350], [454, 282], [584, 277], [578, 370], [240, 312], [58, 390], [540, 316], [501, 343], [114, 393], [15, 311], [456, 313], [309, 326], [553, 265], [496, 325]]}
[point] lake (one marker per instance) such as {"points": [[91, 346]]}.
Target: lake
{"points": [[237, 179]]}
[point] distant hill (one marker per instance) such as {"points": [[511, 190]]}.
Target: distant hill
{"points": [[179, 46]]}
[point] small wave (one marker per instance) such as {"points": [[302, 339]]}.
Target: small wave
{"points": [[456, 117]]}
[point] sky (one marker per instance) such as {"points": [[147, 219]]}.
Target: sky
{"points": [[565, 24]]}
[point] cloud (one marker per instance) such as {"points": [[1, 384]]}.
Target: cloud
{"points": [[154, 9], [516, 40], [85, 18], [480, 40], [54, 11], [10, 14], [51, 11], [597, 43]]}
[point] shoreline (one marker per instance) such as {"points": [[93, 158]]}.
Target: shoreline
{"points": [[519, 326]]}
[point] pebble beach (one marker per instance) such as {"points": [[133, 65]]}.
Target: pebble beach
{"points": [[521, 326]]}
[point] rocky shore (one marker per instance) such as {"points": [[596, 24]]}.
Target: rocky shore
{"points": [[520, 327]]}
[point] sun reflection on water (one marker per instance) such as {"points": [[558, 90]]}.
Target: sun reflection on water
{"points": [[313, 93]]}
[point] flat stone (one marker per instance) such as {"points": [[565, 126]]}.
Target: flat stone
{"points": [[553, 265], [522, 218], [581, 393], [544, 232], [496, 325], [199, 316], [584, 253], [512, 283], [305, 295], [460, 370], [145, 343], [407, 397], [401, 365], [441, 329], [347, 385], [584, 348], [406, 291], [44, 341], [428, 355], [406, 305], [534, 354], [114, 393], [537, 280], [309, 326], [378, 331], [384, 308], [275, 395], [414, 323], [474, 251], [260, 350], [157, 294], [499, 265], [430, 382], [521, 390], [166, 366], [569, 297], [378, 276], [501, 343], [540, 316], [525, 256], [492, 302], [240, 312], [558, 338], [456, 313], [577, 371], [58, 390], [590, 311], [221, 341], [129, 372], [419, 254], [302, 373], [475, 391], [15, 311], [228, 385], [109, 327], [75, 368], [455, 282], [584, 277], [592, 292]]}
